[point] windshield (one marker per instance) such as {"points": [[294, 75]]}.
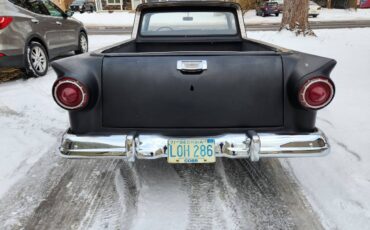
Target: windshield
{"points": [[188, 24]]}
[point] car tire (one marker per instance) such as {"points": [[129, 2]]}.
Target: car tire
{"points": [[315, 15], [37, 60], [83, 44], [263, 14], [277, 14]]}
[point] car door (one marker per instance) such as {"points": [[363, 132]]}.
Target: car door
{"points": [[67, 30], [37, 21]]}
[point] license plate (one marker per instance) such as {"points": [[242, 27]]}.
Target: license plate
{"points": [[191, 151]]}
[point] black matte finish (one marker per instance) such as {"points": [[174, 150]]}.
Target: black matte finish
{"points": [[135, 87], [231, 93]]}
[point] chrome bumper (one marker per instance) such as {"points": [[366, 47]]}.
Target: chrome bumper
{"points": [[251, 145]]}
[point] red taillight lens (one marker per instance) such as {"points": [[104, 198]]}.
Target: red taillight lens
{"points": [[316, 93], [2, 55], [70, 94], [5, 21]]}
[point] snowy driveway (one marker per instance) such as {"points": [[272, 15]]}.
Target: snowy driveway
{"points": [[39, 190]]}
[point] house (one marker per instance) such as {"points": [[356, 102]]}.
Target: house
{"points": [[63, 4], [114, 5]]}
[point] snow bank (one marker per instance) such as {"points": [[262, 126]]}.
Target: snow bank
{"points": [[338, 185], [325, 15], [106, 19], [127, 18]]}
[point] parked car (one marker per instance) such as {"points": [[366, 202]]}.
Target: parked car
{"points": [[82, 6], [280, 4], [314, 9], [364, 4], [34, 31], [267, 8], [191, 89]]}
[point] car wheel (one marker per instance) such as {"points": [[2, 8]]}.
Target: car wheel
{"points": [[315, 15], [37, 60], [277, 14], [263, 14], [83, 44]]}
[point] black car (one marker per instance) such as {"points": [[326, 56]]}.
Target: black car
{"points": [[190, 86], [82, 6], [267, 8]]}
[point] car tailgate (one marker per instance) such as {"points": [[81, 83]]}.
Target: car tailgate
{"points": [[236, 91]]}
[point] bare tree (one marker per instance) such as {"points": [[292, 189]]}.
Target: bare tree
{"points": [[247, 5], [295, 17]]}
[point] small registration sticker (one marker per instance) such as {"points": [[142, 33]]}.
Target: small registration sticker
{"points": [[191, 151]]}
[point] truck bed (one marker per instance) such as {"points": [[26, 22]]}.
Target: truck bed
{"points": [[134, 46]]}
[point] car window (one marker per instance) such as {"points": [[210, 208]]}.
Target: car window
{"points": [[16, 2], [53, 9], [32, 5], [37, 7]]}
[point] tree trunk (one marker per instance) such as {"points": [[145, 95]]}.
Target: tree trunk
{"points": [[295, 17], [329, 4]]}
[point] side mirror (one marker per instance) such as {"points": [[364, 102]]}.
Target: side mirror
{"points": [[69, 13]]}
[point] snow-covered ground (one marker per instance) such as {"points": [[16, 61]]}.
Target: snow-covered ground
{"points": [[337, 186], [31, 122], [325, 15], [126, 19]]}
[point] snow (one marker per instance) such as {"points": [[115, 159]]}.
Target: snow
{"points": [[325, 15], [338, 185], [31, 122], [126, 19], [106, 19]]}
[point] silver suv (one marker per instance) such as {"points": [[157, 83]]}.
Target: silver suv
{"points": [[34, 31]]}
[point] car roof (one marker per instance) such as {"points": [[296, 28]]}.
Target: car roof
{"points": [[187, 3]]}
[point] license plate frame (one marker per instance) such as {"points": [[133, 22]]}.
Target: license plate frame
{"points": [[191, 151]]}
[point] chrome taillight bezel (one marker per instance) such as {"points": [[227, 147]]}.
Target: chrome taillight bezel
{"points": [[83, 89], [306, 86]]}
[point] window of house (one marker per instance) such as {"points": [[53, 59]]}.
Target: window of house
{"points": [[114, 2]]}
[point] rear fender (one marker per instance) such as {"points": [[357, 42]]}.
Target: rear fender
{"points": [[298, 67]]}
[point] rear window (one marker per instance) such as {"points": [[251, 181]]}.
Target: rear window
{"points": [[188, 23]]}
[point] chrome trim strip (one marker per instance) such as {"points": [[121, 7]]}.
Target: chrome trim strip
{"points": [[252, 145], [243, 31], [135, 28]]}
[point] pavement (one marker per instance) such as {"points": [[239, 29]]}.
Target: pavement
{"points": [[96, 30]]}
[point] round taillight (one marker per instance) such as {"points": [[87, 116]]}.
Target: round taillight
{"points": [[316, 93], [70, 94]]}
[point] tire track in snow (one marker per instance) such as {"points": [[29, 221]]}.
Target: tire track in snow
{"points": [[269, 196], [109, 194], [74, 200], [199, 182], [229, 202], [126, 182]]}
